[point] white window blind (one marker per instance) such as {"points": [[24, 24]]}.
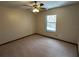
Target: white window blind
{"points": [[51, 23]]}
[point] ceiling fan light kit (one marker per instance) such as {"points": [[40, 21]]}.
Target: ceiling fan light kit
{"points": [[35, 10]]}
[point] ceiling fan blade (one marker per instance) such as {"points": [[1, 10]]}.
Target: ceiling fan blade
{"points": [[41, 4], [42, 9], [27, 5]]}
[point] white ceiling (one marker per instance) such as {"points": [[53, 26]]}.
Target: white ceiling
{"points": [[47, 4], [54, 4]]}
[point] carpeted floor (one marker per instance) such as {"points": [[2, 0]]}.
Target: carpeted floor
{"points": [[38, 46]]}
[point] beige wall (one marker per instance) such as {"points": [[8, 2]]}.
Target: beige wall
{"points": [[15, 23], [78, 44], [67, 26], [78, 36]]}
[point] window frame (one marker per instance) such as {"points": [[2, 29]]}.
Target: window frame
{"points": [[52, 22]]}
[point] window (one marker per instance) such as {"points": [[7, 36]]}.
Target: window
{"points": [[51, 23]]}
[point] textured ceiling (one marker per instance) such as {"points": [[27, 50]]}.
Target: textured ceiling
{"points": [[47, 4]]}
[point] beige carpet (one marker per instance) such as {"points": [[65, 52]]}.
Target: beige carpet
{"points": [[38, 46]]}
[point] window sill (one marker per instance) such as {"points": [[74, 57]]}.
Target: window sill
{"points": [[50, 31]]}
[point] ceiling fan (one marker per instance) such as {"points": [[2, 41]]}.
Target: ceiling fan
{"points": [[36, 6]]}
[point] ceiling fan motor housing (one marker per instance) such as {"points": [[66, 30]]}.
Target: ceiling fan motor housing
{"points": [[35, 6]]}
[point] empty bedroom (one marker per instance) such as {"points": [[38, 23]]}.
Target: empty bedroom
{"points": [[39, 28]]}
